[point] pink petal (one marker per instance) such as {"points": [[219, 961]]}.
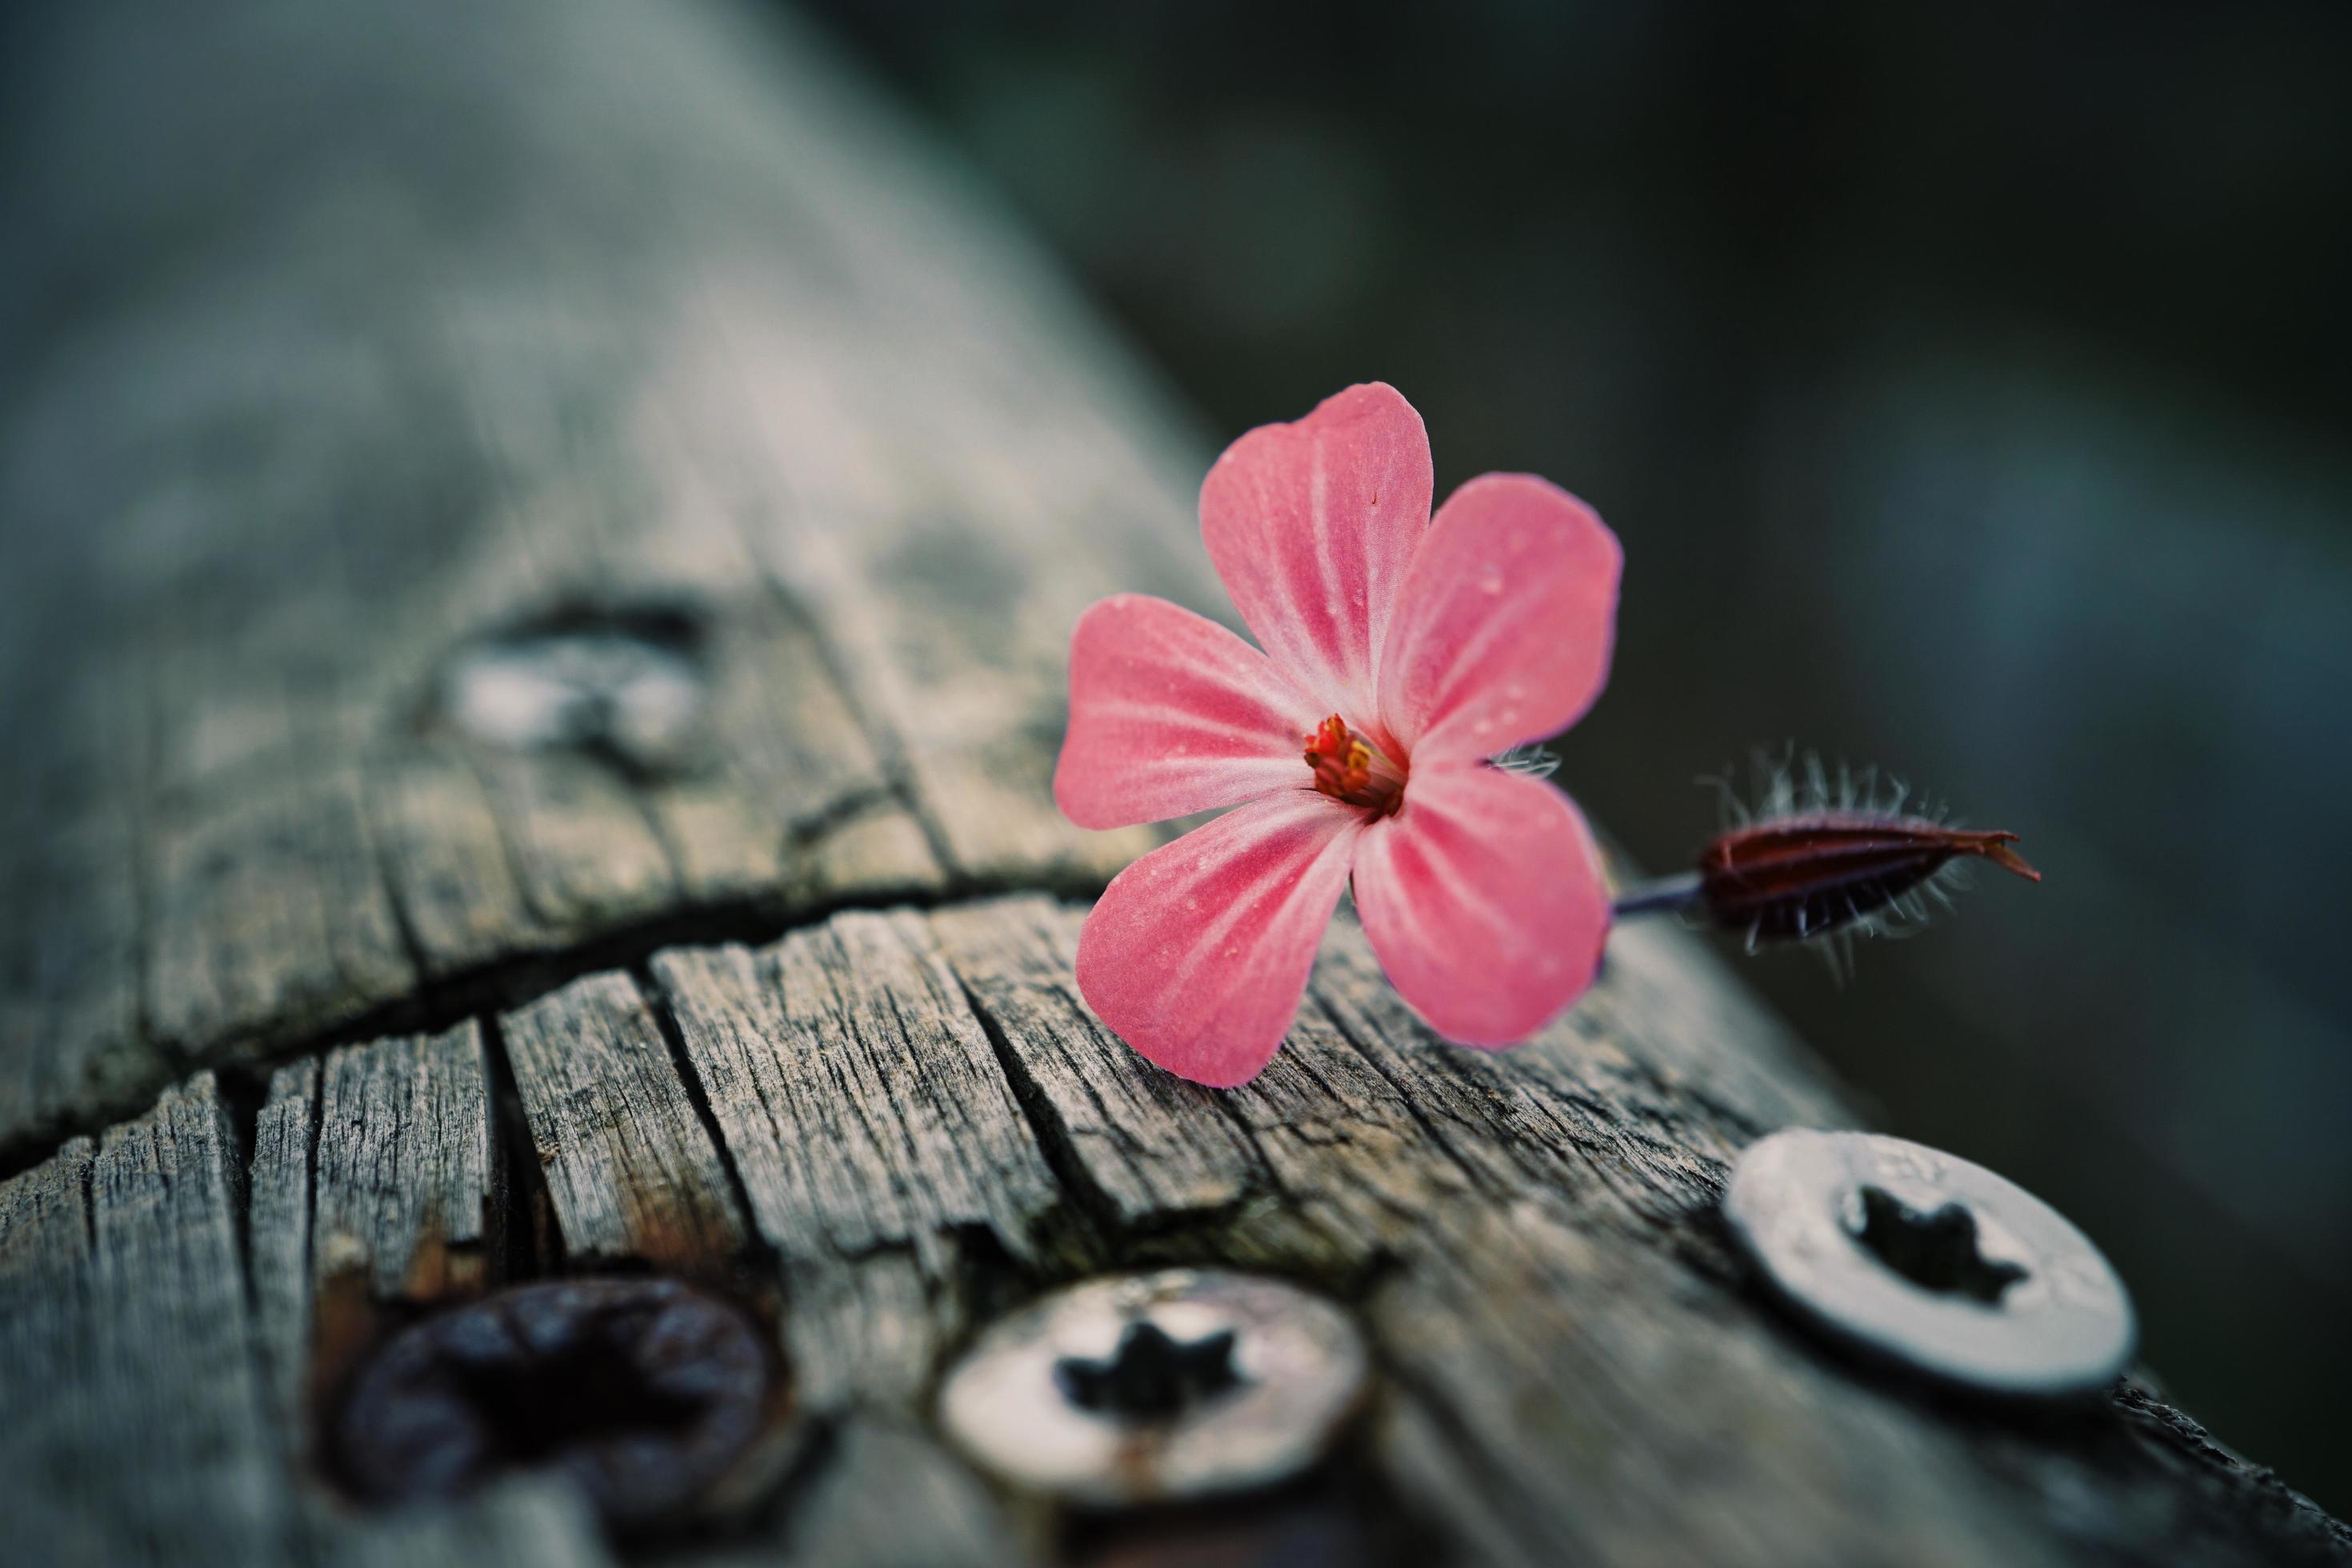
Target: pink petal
{"points": [[1197, 953], [1170, 713], [1483, 899], [1312, 525], [1504, 625]]}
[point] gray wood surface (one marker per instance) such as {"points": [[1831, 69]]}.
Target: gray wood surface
{"points": [[353, 352], [137, 1427], [631, 1171], [666, 329]]}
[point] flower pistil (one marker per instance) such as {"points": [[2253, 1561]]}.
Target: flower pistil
{"points": [[1349, 767]]}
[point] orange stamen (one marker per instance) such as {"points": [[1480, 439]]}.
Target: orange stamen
{"points": [[1347, 768]]}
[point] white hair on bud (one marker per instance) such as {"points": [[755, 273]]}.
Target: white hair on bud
{"points": [[1528, 761], [1800, 783], [1790, 783]]}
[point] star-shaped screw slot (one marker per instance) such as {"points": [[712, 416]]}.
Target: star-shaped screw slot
{"points": [[1936, 1249], [1151, 1376]]}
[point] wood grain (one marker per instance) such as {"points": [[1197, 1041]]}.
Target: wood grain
{"points": [[858, 1093], [631, 1170], [408, 1186], [278, 1253], [926, 1126], [646, 327], [889, 1495], [752, 402], [138, 1428], [531, 1524]]}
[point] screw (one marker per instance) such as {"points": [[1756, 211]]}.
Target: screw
{"points": [[1149, 1376], [653, 1398], [1932, 1264], [626, 685], [1153, 1387]]}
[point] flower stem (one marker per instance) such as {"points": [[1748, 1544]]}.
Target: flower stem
{"points": [[1676, 892]]}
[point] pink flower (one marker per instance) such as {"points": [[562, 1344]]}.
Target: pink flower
{"points": [[1402, 653]]}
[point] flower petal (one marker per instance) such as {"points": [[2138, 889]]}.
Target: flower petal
{"points": [[1504, 623], [1312, 525], [1197, 953], [1170, 714], [1483, 899]]}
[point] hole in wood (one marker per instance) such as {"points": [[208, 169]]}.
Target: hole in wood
{"points": [[1936, 1249], [626, 684]]}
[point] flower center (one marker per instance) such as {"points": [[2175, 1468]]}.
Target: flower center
{"points": [[1348, 767]]}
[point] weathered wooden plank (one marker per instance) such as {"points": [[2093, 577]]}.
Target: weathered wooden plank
{"points": [[72, 859], [1578, 1363], [527, 1523], [879, 1143], [794, 764], [1150, 1148], [1684, 1021], [1581, 1368], [138, 1425], [583, 851], [409, 1203], [951, 637], [46, 1236], [69, 975], [1533, 1340], [880, 851], [463, 420], [277, 1258], [268, 915], [376, 1190], [630, 1168], [408, 1191], [858, 1093], [869, 1332], [447, 864], [186, 1455], [774, 802], [889, 1495]]}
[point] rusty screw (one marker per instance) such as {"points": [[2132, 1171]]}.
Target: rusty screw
{"points": [[653, 1398], [625, 685], [1153, 1387], [1940, 1266]]}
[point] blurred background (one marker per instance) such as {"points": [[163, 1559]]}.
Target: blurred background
{"points": [[1968, 386]]}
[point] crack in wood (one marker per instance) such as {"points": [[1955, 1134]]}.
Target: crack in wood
{"points": [[436, 1003], [657, 1001]]}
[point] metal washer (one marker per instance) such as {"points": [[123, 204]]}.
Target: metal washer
{"points": [[2065, 1328], [1301, 1367]]}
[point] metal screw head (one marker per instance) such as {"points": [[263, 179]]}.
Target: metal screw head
{"points": [[1932, 1263], [626, 684], [653, 1396], [1151, 1387]]}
